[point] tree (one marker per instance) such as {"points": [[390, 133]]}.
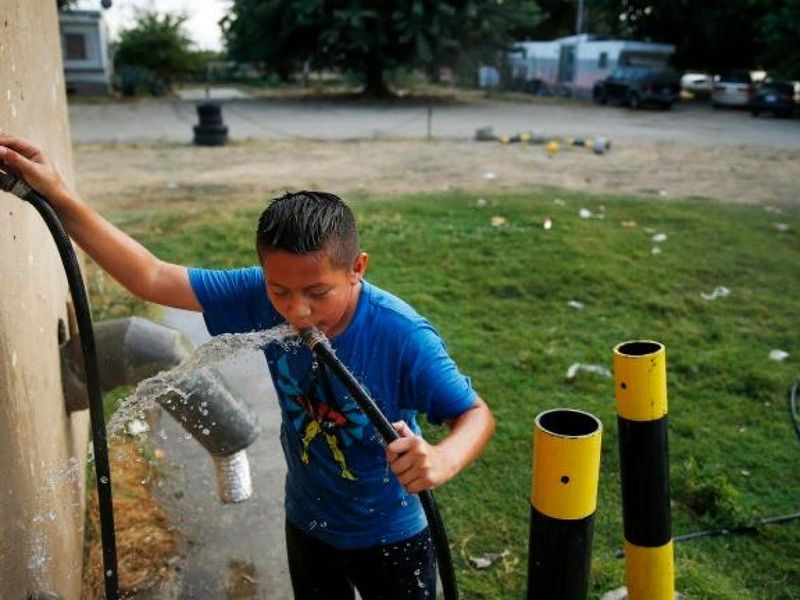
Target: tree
{"points": [[154, 49], [780, 27], [370, 38], [713, 34]]}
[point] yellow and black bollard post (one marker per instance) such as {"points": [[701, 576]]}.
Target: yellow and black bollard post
{"points": [[640, 381], [566, 469]]}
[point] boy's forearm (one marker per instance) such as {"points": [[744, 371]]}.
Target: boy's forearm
{"points": [[469, 434], [126, 260]]}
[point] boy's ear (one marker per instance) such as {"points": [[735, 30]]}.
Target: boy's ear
{"points": [[360, 266]]}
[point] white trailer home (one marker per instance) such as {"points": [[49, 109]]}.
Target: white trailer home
{"points": [[571, 65], [84, 48]]}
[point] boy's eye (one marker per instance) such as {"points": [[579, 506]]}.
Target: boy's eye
{"points": [[319, 293], [278, 291]]}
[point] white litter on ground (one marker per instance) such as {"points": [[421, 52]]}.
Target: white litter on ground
{"points": [[719, 292], [778, 355], [576, 368]]}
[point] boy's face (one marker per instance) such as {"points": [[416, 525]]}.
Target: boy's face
{"points": [[308, 291]]}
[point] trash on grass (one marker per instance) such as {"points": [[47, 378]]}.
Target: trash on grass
{"points": [[782, 227], [481, 202], [660, 237], [628, 224], [585, 213], [489, 175], [719, 292], [778, 355], [547, 223], [498, 221], [484, 561], [655, 250], [576, 368], [576, 304]]}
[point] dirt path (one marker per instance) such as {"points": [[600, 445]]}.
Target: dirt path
{"points": [[119, 176]]}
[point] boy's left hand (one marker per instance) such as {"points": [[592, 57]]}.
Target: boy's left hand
{"points": [[418, 465]]}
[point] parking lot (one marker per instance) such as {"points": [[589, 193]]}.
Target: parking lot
{"points": [[361, 149], [686, 123]]}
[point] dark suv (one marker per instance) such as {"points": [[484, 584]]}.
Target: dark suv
{"points": [[781, 98], [636, 86]]}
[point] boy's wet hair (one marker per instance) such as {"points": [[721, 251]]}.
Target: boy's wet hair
{"points": [[307, 222]]}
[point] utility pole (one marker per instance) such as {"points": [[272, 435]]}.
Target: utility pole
{"points": [[579, 19]]}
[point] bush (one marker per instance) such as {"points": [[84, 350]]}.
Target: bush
{"points": [[153, 54]]}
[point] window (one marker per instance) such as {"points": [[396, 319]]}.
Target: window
{"points": [[75, 46], [602, 61]]}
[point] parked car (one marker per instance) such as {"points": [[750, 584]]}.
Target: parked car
{"points": [[781, 98], [732, 88], [696, 85], [637, 86]]}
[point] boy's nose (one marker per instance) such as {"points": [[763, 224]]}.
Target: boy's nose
{"points": [[299, 310]]}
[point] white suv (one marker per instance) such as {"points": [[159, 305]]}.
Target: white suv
{"points": [[732, 88]]}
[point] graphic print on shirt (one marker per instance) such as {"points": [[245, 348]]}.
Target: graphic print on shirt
{"points": [[314, 410]]}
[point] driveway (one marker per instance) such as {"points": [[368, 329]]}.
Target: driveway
{"points": [[172, 121]]}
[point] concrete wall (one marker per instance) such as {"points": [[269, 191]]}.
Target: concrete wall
{"points": [[42, 448]]}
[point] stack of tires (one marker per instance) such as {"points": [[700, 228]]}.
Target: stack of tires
{"points": [[211, 131]]}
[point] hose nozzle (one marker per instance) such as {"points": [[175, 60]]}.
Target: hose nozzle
{"points": [[312, 336], [14, 185]]}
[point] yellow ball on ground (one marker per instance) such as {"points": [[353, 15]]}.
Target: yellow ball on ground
{"points": [[552, 148]]}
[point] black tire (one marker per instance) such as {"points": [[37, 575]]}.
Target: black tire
{"points": [[665, 106], [599, 96], [755, 113], [213, 135]]}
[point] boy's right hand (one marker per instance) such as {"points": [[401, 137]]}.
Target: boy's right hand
{"points": [[24, 159]]}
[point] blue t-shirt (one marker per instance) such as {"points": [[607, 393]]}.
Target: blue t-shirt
{"points": [[339, 487]]}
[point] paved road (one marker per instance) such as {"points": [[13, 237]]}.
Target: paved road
{"points": [[258, 119]]}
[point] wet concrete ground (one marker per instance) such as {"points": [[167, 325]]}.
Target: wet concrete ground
{"points": [[234, 551]]}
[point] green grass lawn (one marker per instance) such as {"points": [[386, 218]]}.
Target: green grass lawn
{"points": [[499, 295]]}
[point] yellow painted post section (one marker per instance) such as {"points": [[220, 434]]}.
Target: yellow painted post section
{"points": [[641, 381], [650, 572], [566, 470]]}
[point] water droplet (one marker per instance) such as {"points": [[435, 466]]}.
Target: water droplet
{"points": [[104, 480]]}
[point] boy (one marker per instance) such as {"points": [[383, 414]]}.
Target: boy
{"points": [[348, 521]]}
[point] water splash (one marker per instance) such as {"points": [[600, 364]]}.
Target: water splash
{"points": [[168, 382]]}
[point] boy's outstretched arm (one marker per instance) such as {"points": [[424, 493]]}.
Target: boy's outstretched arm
{"points": [[422, 466], [122, 257]]}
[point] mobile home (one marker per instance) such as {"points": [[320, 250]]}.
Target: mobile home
{"points": [[84, 48], [572, 65]]}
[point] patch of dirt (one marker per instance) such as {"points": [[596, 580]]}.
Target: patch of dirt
{"points": [[159, 175], [146, 541]]}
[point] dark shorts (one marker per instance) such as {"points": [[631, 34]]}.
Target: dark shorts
{"points": [[404, 570]]}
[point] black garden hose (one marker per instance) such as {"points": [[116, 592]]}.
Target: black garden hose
{"points": [[19, 188], [320, 345]]}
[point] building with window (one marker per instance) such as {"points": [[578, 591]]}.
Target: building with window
{"points": [[84, 47]]}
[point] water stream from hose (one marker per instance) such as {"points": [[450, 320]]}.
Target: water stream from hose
{"points": [[214, 351]]}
